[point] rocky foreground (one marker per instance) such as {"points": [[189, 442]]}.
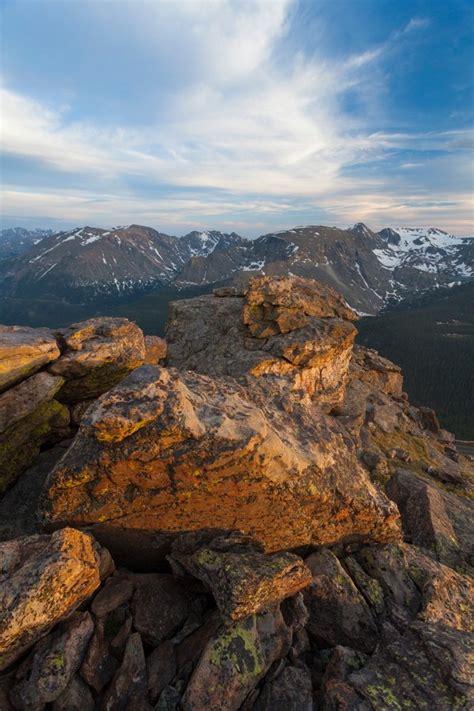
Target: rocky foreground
{"points": [[249, 516]]}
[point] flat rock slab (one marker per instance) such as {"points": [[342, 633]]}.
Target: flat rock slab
{"points": [[208, 453], [23, 351], [44, 579]]}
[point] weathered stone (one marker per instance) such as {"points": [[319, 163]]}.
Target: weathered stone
{"points": [[338, 614], [160, 606], [128, 689], [47, 672], [97, 354], [336, 693], [242, 579], [99, 664], [155, 349], [217, 455], [406, 673], [416, 587], [370, 367], [161, 669], [424, 516], [29, 418], [76, 697], [235, 660], [290, 690], [23, 351], [291, 328], [48, 579], [115, 592]]}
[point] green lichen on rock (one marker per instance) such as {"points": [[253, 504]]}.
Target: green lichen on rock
{"points": [[238, 647]]}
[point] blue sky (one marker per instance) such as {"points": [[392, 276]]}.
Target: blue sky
{"points": [[248, 115]]}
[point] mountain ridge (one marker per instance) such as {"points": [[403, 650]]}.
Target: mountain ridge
{"points": [[371, 269]]}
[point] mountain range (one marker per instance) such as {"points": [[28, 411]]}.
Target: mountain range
{"points": [[371, 269]]}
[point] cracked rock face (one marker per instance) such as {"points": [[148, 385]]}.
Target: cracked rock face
{"points": [[290, 328], [166, 452]]}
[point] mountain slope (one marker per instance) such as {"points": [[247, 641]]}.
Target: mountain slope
{"points": [[370, 269], [16, 240]]}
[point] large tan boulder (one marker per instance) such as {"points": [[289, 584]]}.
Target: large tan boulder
{"points": [[292, 328], [23, 351], [96, 355], [29, 417], [43, 579], [166, 452]]}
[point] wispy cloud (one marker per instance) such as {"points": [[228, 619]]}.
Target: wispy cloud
{"points": [[242, 130]]}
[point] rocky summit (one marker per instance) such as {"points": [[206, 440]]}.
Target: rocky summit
{"points": [[250, 515]]}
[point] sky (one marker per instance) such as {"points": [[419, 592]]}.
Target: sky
{"points": [[244, 115]]}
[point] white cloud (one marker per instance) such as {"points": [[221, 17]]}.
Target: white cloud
{"points": [[236, 118]]}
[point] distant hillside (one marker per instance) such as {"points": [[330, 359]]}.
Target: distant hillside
{"points": [[432, 338]]}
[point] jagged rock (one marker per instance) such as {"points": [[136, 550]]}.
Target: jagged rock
{"points": [[155, 349], [45, 578], [429, 667], [161, 669], [380, 373], [128, 689], [235, 660], [23, 351], [29, 418], [210, 453], [99, 663], [416, 587], [115, 592], [96, 355], [291, 328], [76, 697], [242, 578], [160, 605], [426, 522], [338, 613], [189, 650], [335, 692], [48, 670], [290, 690]]}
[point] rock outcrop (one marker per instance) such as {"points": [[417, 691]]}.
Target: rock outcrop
{"points": [[167, 452], [254, 488], [289, 328]]}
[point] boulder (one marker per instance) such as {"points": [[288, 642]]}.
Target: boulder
{"points": [[99, 664], [76, 697], [290, 690], [425, 519], [428, 667], [23, 351], [380, 373], [235, 660], [128, 688], [114, 593], [96, 355], [161, 669], [44, 579], [160, 606], [29, 418], [242, 578], [338, 613], [292, 328], [155, 349], [210, 453], [48, 670]]}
